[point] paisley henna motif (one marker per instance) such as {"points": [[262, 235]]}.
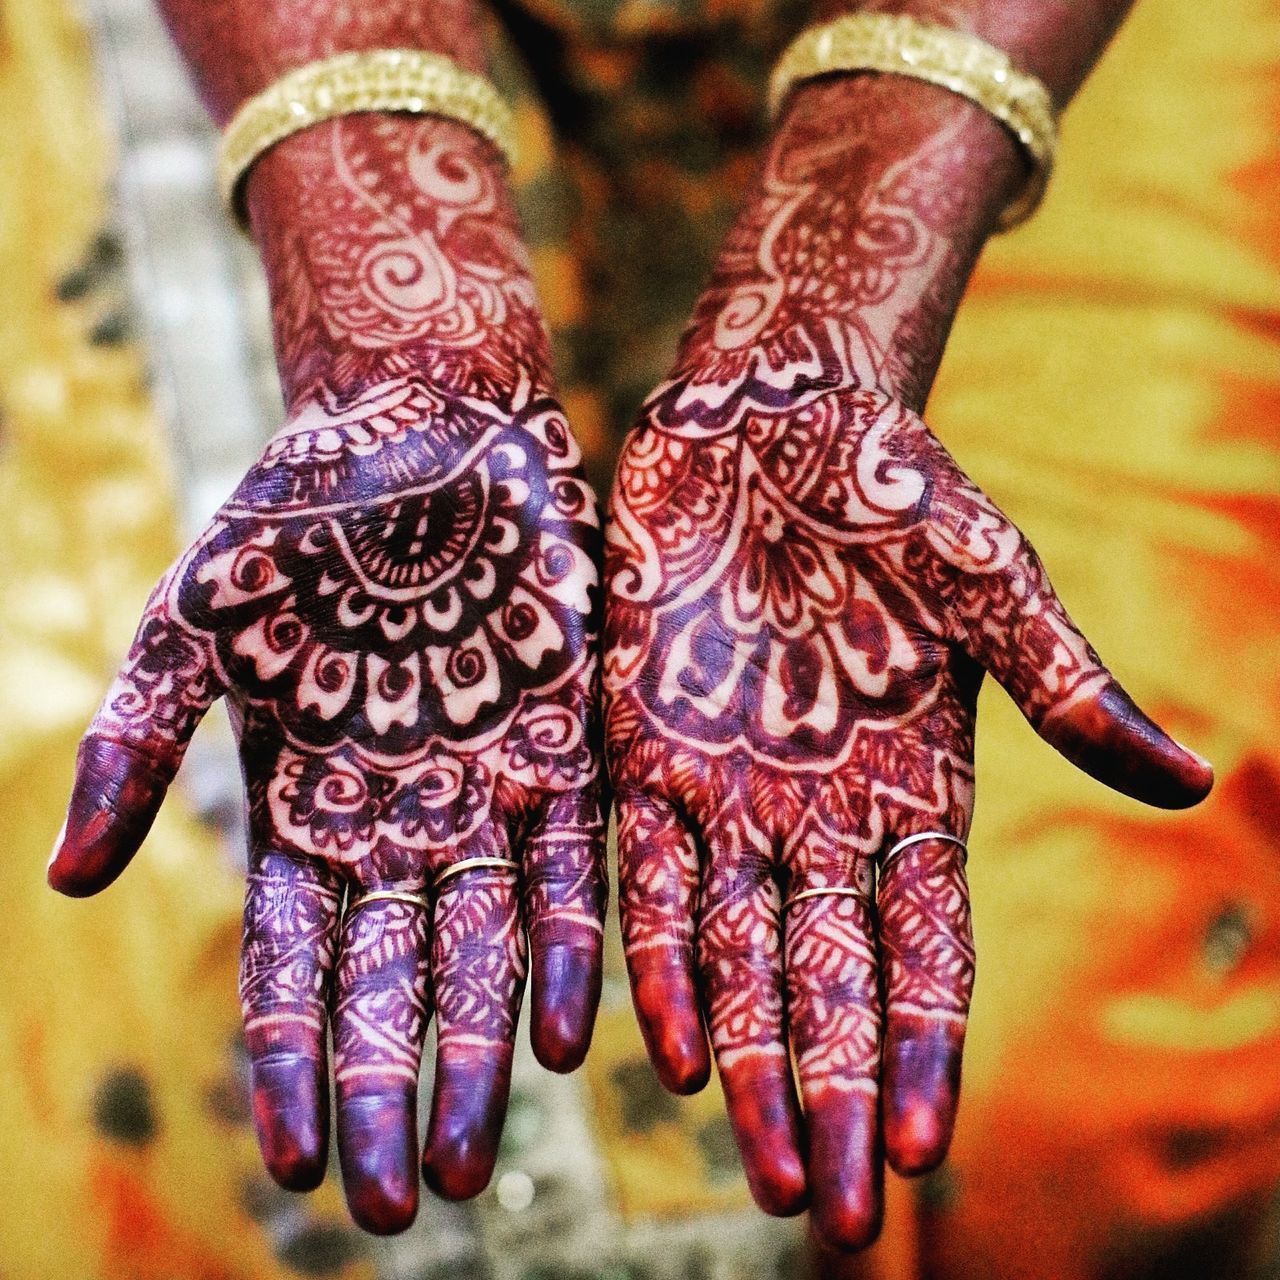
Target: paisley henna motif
{"points": [[400, 604], [803, 590]]}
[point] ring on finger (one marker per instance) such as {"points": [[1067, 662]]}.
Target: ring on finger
{"points": [[920, 838], [825, 891], [384, 895], [473, 864]]}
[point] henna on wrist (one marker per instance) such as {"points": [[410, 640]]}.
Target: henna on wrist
{"points": [[391, 243], [874, 199]]}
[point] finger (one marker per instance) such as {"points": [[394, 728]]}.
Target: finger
{"points": [[478, 966], [381, 1009], [565, 895], [133, 749], [740, 958], [658, 879], [290, 935], [1017, 628], [834, 1012], [926, 946]]}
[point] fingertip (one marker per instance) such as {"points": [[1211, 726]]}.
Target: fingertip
{"points": [[921, 1091], [566, 994], [377, 1149], [1113, 740], [849, 1228], [761, 1101], [291, 1116], [114, 801], [846, 1169], [670, 1020], [467, 1112]]}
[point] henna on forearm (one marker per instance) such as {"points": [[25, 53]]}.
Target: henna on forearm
{"points": [[877, 193], [862, 226], [391, 244]]}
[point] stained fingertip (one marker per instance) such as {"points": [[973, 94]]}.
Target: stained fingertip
{"points": [[566, 994], [467, 1112], [920, 1092], [760, 1098], [670, 1017], [291, 1116], [114, 801], [846, 1170], [1113, 740], [377, 1149]]}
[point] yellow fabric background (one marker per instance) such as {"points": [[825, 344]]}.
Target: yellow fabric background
{"points": [[1114, 380]]}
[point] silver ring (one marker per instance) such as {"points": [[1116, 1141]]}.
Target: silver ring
{"points": [[830, 891], [919, 839], [471, 864], [385, 895]]}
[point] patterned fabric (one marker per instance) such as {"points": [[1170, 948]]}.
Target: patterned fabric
{"points": [[1113, 381]]}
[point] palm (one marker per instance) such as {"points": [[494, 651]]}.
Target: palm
{"points": [[803, 592]]}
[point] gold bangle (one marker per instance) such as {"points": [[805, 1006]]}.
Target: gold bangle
{"points": [[965, 65], [376, 80]]}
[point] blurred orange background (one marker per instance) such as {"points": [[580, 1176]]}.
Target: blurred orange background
{"points": [[1113, 381]]}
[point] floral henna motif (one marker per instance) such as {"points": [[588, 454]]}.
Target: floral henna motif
{"points": [[803, 590], [399, 602]]}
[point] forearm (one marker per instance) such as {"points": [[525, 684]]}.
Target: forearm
{"points": [[235, 48], [1057, 40], [391, 245], [875, 198]]}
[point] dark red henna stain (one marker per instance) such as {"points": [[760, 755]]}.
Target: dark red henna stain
{"points": [[117, 793], [400, 601], [926, 947], [563, 896], [478, 961], [659, 881], [803, 591], [1111, 739], [290, 940]]}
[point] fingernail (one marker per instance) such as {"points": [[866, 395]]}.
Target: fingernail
{"points": [[57, 844], [1195, 755]]}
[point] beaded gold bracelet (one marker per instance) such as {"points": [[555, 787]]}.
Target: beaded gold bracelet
{"points": [[965, 65], [375, 80]]}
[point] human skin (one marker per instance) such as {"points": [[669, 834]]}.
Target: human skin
{"points": [[803, 590], [399, 603]]}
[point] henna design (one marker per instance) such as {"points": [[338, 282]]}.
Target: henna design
{"points": [[444, 267], [399, 602], [803, 590]]}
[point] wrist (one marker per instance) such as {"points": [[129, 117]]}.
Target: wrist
{"points": [[390, 243]]}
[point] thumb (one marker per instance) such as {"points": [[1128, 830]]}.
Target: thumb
{"points": [[1017, 628], [133, 748]]}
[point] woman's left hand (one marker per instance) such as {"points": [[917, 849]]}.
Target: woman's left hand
{"points": [[803, 591]]}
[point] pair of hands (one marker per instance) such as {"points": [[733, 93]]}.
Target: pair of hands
{"points": [[400, 604]]}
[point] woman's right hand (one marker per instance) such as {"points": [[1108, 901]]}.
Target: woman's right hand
{"points": [[400, 604]]}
